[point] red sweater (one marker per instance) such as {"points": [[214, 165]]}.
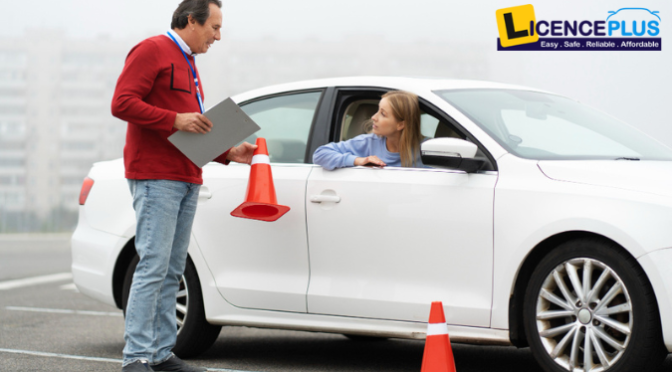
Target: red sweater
{"points": [[154, 86]]}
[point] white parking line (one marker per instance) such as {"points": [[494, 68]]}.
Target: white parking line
{"points": [[18, 283], [92, 359], [64, 356], [62, 311]]}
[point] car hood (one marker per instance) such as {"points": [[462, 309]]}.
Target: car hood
{"points": [[645, 176]]}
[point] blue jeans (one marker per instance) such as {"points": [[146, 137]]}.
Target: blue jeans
{"points": [[164, 211]]}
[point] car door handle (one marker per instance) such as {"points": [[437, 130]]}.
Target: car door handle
{"points": [[325, 198]]}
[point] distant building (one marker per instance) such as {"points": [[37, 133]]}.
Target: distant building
{"points": [[54, 122], [55, 96]]}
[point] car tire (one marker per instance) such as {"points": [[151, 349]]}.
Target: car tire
{"points": [[590, 295], [194, 334]]}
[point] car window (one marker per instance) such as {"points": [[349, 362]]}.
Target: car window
{"points": [[428, 125], [354, 111], [285, 123]]}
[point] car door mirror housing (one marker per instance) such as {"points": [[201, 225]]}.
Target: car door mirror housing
{"points": [[450, 153]]}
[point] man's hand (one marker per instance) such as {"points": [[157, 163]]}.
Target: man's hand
{"points": [[370, 160], [242, 153], [192, 122]]}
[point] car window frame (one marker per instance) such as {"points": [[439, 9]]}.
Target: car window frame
{"points": [[429, 108], [341, 97], [308, 156]]}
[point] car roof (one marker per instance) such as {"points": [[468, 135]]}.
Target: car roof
{"points": [[417, 85]]}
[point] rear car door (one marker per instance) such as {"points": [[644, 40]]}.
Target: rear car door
{"points": [[258, 264]]}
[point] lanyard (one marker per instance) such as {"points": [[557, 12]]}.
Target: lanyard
{"points": [[193, 73]]}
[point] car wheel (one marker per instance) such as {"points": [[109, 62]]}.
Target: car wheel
{"points": [[590, 307], [194, 334]]}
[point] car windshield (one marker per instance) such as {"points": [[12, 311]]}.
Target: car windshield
{"points": [[543, 126]]}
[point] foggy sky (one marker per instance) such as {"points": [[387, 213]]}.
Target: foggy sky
{"points": [[632, 86]]}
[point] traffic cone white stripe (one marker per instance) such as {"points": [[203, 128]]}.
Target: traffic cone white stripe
{"points": [[438, 354], [260, 159], [260, 203], [437, 329]]}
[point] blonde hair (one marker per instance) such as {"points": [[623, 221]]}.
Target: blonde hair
{"points": [[405, 108]]}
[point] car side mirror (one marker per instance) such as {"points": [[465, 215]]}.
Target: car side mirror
{"points": [[450, 153]]}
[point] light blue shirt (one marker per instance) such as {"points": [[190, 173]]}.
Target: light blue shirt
{"points": [[343, 154]]}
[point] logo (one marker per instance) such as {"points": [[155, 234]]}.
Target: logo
{"points": [[516, 25], [620, 30]]}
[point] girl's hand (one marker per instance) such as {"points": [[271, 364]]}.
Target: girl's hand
{"points": [[370, 160]]}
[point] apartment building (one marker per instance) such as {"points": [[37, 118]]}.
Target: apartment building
{"points": [[54, 123]]}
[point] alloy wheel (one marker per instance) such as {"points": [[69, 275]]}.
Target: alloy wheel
{"points": [[584, 315], [182, 304]]}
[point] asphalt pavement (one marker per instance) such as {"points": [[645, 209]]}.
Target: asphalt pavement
{"points": [[46, 325]]}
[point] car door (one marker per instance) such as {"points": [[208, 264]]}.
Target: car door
{"points": [[258, 264], [385, 243]]}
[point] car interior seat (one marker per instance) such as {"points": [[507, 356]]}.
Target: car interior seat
{"points": [[356, 117]]}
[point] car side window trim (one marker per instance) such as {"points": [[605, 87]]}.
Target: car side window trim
{"points": [[319, 130], [306, 159]]}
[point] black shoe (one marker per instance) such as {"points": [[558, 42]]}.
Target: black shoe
{"points": [[137, 366], [175, 364]]}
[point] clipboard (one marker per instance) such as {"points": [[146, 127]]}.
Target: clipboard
{"points": [[230, 125]]}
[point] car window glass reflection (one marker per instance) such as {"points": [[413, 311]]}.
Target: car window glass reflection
{"points": [[285, 123], [536, 125]]}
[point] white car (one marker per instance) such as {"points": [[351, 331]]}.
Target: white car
{"points": [[542, 222]]}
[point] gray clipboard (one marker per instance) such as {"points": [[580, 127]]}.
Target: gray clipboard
{"points": [[230, 125]]}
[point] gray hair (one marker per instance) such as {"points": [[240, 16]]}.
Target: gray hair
{"points": [[197, 9]]}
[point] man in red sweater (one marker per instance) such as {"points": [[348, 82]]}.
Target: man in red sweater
{"points": [[158, 93]]}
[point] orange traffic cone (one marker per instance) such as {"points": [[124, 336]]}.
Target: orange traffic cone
{"points": [[438, 356], [260, 201]]}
